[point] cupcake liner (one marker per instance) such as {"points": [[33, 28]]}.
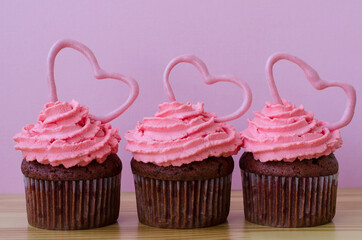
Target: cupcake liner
{"points": [[182, 204], [289, 201], [65, 205]]}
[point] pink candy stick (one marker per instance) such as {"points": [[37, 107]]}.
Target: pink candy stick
{"points": [[209, 79], [316, 82], [98, 72]]}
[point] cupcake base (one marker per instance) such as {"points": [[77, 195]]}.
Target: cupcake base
{"points": [[72, 198], [169, 202], [289, 201]]}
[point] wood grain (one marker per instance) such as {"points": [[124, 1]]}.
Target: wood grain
{"points": [[347, 223]]}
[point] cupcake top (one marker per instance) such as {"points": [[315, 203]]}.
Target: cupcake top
{"points": [[286, 132], [184, 133], [180, 134], [282, 131], [65, 133]]}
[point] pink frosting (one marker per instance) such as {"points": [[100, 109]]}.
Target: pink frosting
{"points": [[285, 132], [65, 134], [181, 134]]}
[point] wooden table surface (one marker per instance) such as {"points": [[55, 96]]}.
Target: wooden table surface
{"points": [[347, 224]]}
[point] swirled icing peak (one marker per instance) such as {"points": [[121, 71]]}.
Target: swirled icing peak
{"points": [[65, 134], [286, 132], [180, 134]]}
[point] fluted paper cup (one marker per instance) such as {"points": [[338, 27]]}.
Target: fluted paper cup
{"points": [[65, 205], [289, 201], [182, 204]]}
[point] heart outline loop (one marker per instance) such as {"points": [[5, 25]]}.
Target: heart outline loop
{"points": [[98, 73], [318, 83], [209, 80]]}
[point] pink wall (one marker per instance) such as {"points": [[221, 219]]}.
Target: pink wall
{"points": [[138, 38]]}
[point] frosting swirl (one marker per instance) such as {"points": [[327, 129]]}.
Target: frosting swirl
{"points": [[285, 132], [65, 134], [180, 134]]}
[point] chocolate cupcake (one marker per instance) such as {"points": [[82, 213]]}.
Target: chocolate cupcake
{"points": [[289, 172], [182, 162], [71, 171]]}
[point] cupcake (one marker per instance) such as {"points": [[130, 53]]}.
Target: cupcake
{"points": [[289, 172], [71, 170], [182, 162]]}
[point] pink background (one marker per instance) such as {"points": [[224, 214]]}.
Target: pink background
{"points": [[138, 38]]}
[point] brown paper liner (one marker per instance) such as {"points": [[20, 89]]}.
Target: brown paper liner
{"points": [[289, 201], [65, 205], [182, 204]]}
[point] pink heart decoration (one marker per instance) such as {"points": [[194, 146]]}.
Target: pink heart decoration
{"points": [[316, 82], [98, 72], [209, 79]]}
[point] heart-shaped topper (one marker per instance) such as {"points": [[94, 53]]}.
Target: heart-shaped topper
{"points": [[316, 82], [98, 72], [209, 79]]}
